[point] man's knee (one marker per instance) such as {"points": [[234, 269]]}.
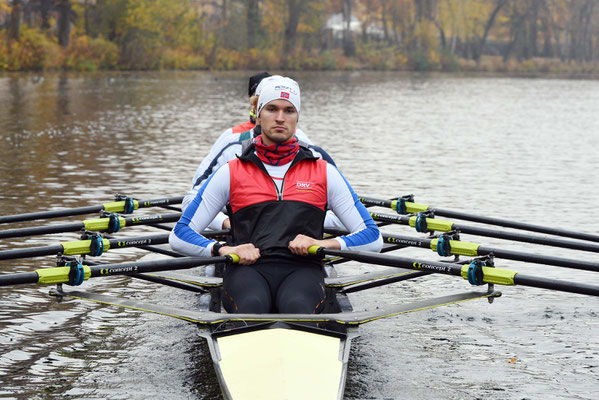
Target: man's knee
{"points": [[253, 304], [300, 305]]}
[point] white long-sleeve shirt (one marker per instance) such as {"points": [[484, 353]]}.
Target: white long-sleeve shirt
{"points": [[214, 195], [226, 148]]}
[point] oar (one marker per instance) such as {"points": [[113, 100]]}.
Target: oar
{"points": [[94, 247], [474, 274], [424, 224], [125, 206], [154, 249], [48, 276], [152, 278], [457, 247], [412, 208], [110, 224]]}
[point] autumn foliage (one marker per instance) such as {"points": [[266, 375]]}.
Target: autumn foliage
{"points": [[425, 35]]}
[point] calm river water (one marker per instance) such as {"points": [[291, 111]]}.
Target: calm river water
{"points": [[525, 149]]}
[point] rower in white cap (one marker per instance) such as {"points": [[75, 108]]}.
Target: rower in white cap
{"points": [[276, 193], [229, 145]]}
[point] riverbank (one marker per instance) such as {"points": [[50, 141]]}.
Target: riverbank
{"points": [[36, 52]]}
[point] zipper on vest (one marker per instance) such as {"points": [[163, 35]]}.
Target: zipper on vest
{"points": [[282, 186], [280, 192]]}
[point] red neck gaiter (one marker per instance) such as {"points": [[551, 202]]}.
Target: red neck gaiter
{"points": [[276, 154]]}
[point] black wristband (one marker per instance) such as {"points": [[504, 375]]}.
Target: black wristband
{"points": [[215, 248]]}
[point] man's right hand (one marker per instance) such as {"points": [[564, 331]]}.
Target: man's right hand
{"points": [[248, 253]]}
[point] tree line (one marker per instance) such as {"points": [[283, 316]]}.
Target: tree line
{"points": [[291, 34]]}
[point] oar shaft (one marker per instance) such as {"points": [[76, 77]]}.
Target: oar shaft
{"points": [[168, 282], [492, 275], [116, 206], [520, 237], [20, 278], [61, 274], [30, 252], [553, 284], [97, 224], [446, 226], [383, 282], [6, 219], [413, 207], [516, 225], [171, 264], [396, 261], [473, 249], [84, 246], [159, 250], [369, 201], [539, 259], [41, 230]]}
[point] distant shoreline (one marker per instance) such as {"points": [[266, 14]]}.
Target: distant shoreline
{"points": [[566, 74]]}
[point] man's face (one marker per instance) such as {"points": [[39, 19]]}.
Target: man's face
{"points": [[278, 120]]}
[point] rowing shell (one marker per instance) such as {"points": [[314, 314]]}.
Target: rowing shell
{"points": [[282, 356], [283, 360]]}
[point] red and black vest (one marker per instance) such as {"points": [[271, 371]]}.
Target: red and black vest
{"points": [[261, 215]]}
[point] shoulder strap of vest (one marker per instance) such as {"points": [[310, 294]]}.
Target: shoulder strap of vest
{"points": [[303, 144], [245, 144], [245, 135]]}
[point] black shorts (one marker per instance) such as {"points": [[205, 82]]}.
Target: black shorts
{"points": [[274, 286]]}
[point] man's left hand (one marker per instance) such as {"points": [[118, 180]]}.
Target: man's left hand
{"points": [[299, 245]]}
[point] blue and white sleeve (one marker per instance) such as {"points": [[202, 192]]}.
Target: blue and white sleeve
{"points": [[344, 202], [186, 236]]}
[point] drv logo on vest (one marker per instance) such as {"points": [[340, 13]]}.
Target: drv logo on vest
{"points": [[304, 185]]}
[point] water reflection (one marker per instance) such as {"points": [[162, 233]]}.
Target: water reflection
{"points": [[62, 108]]}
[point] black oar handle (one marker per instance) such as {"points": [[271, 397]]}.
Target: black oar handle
{"points": [[41, 230], [19, 278], [554, 284], [30, 252], [6, 219]]}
